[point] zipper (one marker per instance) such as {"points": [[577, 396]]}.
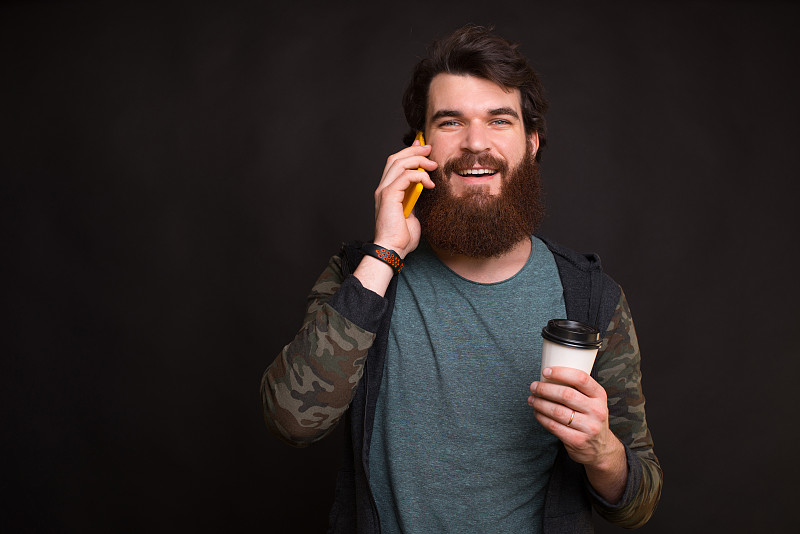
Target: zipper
{"points": [[365, 457]]}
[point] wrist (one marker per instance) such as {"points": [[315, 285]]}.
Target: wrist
{"points": [[374, 274], [389, 245], [385, 255], [608, 476], [611, 459]]}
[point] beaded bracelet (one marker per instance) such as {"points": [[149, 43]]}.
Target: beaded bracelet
{"points": [[388, 256]]}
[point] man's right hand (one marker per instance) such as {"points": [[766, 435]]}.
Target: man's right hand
{"points": [[392, 229]]}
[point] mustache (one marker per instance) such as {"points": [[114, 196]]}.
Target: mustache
{"points": [[467, 160]]}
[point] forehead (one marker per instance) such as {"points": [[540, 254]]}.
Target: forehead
{"points": [[469, 95]]}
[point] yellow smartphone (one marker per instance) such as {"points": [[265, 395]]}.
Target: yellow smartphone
{"points": [[413, 191]]}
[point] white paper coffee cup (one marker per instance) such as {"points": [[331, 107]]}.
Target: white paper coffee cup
{"points": [[568, 343]]}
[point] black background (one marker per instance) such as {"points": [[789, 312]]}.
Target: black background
{"points": [[174, 177]]}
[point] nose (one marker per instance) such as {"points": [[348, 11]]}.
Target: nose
{"points": [[475, 139]]}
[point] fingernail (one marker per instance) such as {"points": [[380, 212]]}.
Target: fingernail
{"points": [[547, 371]]}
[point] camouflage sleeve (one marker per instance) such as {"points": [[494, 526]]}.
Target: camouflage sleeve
{"points": [[620, 374], [309, 386]]}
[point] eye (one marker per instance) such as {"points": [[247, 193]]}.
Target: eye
{"points": [[501, 122], [449, 122]]}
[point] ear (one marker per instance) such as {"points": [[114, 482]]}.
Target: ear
{"points": [[533, 139]]}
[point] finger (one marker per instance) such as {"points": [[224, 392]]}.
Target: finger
{"points": [[410, 163], [560, 413], [576, 378], [403, 159], [394, 191], [560, 394], [567, 434], [414, 150]]}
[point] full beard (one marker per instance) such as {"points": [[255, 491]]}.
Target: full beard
{"points": [[478, 224]]}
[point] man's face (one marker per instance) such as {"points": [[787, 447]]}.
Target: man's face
{"points": [[487, 195], [476, 126]]}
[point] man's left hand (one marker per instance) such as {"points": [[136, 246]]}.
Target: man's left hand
{"points": [[575, 409]]}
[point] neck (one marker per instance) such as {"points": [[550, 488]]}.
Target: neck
{"points": [[488, 270]]}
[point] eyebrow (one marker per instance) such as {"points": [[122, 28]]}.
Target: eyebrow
{"points": [[493, 112]]}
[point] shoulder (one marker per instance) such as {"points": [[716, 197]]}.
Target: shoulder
{"points": [[590, 295], [583, 262]]}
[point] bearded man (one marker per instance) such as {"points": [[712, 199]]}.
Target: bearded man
{"points": [[426, 341]]}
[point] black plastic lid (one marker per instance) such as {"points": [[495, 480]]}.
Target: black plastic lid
{"points": [[572, 334]]}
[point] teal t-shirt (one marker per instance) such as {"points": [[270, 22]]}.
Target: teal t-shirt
{"points": [[455, 446]]}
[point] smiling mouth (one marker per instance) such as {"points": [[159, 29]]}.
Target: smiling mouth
{"points": [[478, 173]]}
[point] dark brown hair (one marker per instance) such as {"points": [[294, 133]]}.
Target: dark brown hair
{"points": [[476, 51]]}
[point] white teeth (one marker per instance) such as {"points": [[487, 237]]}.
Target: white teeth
{"points": [[476, 172]]}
